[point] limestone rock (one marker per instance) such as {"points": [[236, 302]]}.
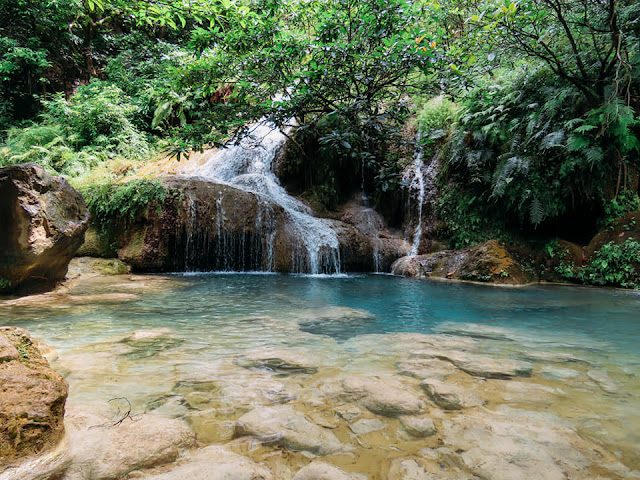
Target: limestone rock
{"points": [[367, 425], [419, 427], [284, 361], [284, 426], [450, 396], [215, 463], [486, 367], [514, 443], [604, 381], [101, 450], [319, 470], [43, 220], [422, 368], [419, 469], [384, 396], [487, 262], [32, 399]]}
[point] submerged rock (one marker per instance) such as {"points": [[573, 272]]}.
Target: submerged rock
{"points": [[486, 367], [384, 396], [319, 470], [367, 425], [449, 396], [518, 444], [215, 463], [422, 368], [103, 449], [283, 361], [419, 427], [486, 262], [285, 426], [43, 222], [32, 399]]}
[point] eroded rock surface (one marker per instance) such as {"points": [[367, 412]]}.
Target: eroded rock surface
{"points": [[319, 470], [32, 399], [215, 463], [518, 444], [285, 426], [384, 396], [102, 449], [43, 223]]}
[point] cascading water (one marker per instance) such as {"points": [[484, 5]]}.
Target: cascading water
{"points": [[248, 165], [421, 181]]}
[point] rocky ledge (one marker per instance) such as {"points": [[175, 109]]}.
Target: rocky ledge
{"points": [[210, 226], [486, 262]]}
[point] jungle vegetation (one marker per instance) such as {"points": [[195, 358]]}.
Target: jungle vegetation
{"points": [[531, 105]]}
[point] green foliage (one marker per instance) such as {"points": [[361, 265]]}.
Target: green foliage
{"points": [[76, 135], [465, 220], [437, 114], [615, 264], [626, 202], [111, 202], [4, 283], [528, 145]]}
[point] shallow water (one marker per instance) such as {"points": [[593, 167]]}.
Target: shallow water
{"points": [[347, 325]]}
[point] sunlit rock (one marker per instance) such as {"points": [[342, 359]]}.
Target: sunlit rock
{"points": [[282, 425], [104, 448], [382, 395], [418, 426], [319, 470], [450, 396], [214, 463]]}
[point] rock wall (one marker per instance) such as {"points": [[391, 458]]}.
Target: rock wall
{"points": [[43, 222]]}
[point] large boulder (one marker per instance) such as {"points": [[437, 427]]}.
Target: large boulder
{"points": [[32, 399], [43, 223], [486, 262]]}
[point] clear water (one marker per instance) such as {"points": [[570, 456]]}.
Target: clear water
{"points": [[349, 324]]}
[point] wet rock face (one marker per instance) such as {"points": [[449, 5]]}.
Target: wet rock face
{"points": [[32, 399], [43, 222], [486, 262], [208, 226]]}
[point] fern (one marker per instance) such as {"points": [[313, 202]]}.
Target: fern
{"points": [[536, 212]]}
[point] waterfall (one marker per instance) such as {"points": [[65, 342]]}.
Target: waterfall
{"points": [[248, 165], [421, 181]]}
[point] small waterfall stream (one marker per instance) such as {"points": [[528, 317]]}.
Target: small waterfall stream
{"points": [[248, 165], [422, 188]]}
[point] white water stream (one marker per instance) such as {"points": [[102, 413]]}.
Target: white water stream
{"points": [[421, 179], [248, 165]]}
